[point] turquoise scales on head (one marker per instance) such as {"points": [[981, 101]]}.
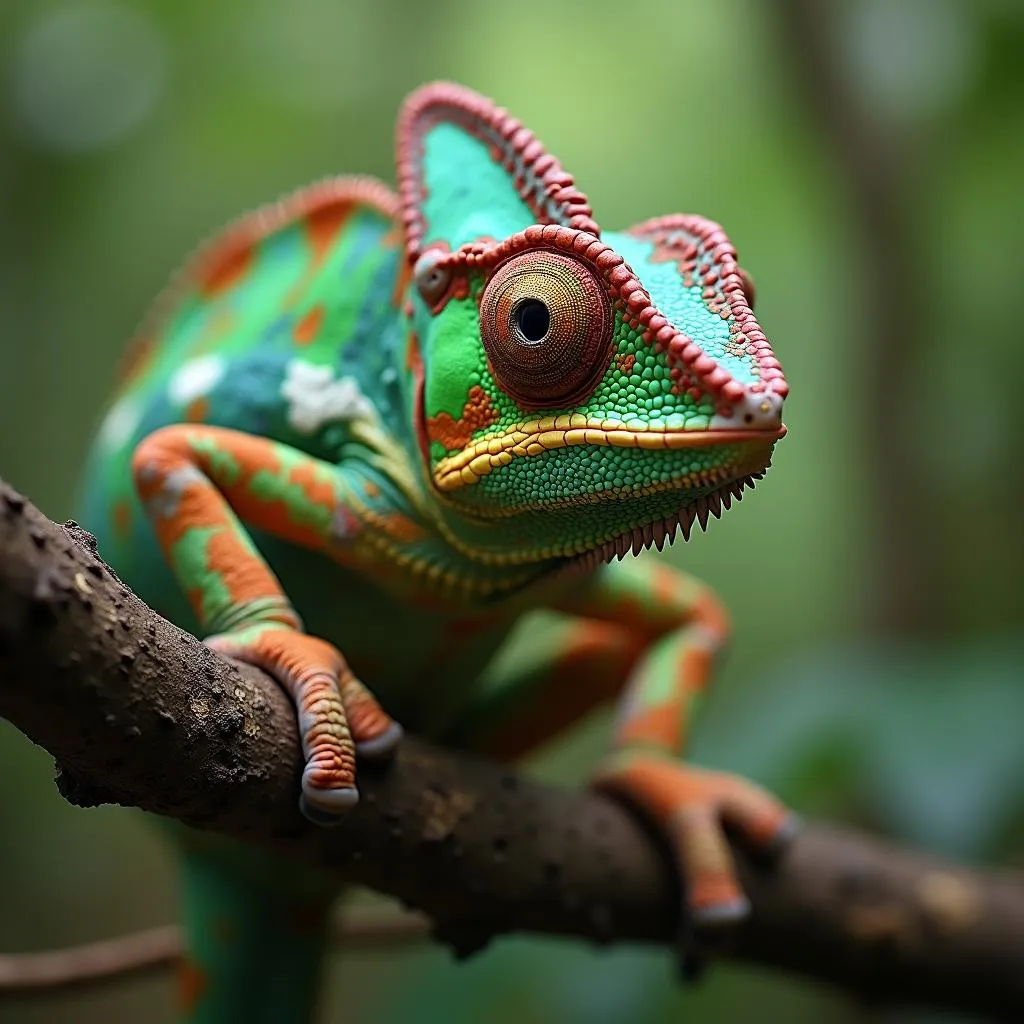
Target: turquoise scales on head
{"points": [[354, 413]]}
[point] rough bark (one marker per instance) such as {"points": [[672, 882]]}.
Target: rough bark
{"points": [[137, 712]]}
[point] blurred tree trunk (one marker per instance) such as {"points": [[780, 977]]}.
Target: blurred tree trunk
{"points": [[876, 167]]}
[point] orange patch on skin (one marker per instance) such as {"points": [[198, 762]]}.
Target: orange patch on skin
{"points": [[137, 359], [625, 362], [122, 515], [244, 576], [661, 725], [206, 503], [684, 383], [711, 612], [308, 327], [192, 982], [402, 278], [276, 516], [590, 671], [194, 596], [665, 586], [661, 786], [477, 413], [372, 490], [631, 611], [201, 505], [198, 505], [413, 359], [318, 489], [323, 226], [695, 669], [402, 528], [414, 364], [197, 410], [664, 788], [225, 269]]}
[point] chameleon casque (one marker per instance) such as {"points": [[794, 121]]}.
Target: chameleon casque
{"points": [[362, 434]]}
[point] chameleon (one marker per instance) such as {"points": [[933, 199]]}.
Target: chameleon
{"points": [[360, 414]]}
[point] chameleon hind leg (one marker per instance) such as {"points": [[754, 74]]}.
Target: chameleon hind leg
{"points": [[198, 484], [579, 665], [257, 933], [651, 633]]}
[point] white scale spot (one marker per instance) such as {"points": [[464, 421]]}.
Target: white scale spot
{"points": [[120, 423], [164, 504], [195, 379], [316, 397]]}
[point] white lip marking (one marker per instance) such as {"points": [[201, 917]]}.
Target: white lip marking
{"points": [[753, 411]]}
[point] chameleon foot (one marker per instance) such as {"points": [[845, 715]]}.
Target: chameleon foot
{"points": [[338, 717], [327, 806], [691, 806], [375, 734]]}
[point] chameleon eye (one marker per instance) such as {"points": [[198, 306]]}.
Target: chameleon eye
{"points": [[546, 323], [431, 276]]}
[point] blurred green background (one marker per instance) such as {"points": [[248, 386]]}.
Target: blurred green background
{"points": [[863, 158]]}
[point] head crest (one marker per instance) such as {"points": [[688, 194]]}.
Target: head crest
{"points": [[468, 170]]}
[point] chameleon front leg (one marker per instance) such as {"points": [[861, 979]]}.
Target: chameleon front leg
{"points": [[652, 634], [685, 628], [198, 484]]}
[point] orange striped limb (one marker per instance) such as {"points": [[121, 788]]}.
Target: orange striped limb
{"points": [[692, 806], [685, 628], [581, 665], [681, 627], [197, 485]]}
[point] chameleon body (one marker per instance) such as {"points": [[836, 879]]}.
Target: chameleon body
{"points": [[357, 416]]}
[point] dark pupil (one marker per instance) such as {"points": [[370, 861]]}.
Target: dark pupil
{"points": [[533, 319]]}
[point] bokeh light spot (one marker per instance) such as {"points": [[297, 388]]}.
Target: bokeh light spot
{"points": [[87, 74]]}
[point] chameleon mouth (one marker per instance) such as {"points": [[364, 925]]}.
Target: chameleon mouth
{"points": [[663, 531], [535, 437]]}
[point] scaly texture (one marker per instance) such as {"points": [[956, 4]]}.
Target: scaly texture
{"points": [[357, 417]]}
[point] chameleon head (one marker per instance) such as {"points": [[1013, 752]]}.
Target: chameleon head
{"points": [[579, 393]]}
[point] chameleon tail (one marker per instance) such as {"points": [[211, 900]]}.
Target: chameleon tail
{"points": [[254, 951]]}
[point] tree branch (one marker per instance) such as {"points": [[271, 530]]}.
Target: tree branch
{"points": [[138, 712], [94, 963]]}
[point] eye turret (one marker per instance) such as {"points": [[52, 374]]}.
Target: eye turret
{"points": [[432, 276], [546, 323]]}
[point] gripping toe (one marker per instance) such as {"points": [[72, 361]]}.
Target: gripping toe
{"points": [[328, 806], [720, 915], [785, 834], [382, 745]]}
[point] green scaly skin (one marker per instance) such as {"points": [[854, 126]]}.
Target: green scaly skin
{"points": [[354, 413]]}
